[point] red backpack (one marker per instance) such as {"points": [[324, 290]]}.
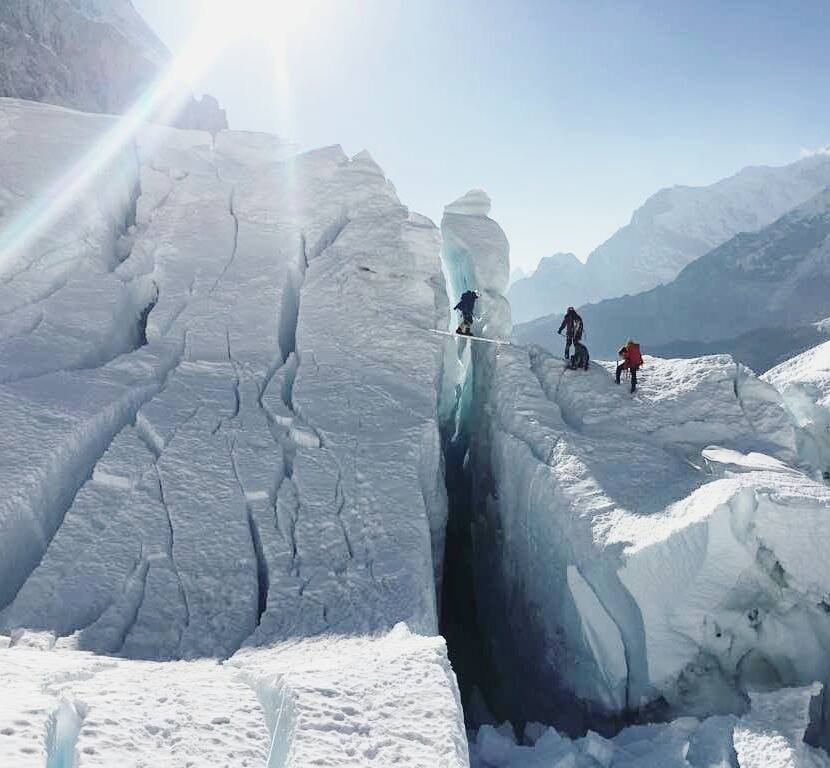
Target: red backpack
{"points": [[634, 356]]}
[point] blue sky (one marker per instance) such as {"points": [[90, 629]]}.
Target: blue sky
{"points": [[569, 114]]}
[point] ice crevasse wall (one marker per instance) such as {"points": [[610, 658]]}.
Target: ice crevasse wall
{"points": [[217, 456], [644, 557]]}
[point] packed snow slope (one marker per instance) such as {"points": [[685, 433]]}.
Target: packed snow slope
{"points": [[95, 55], [673, 228], [775, 278], [221, 403]]}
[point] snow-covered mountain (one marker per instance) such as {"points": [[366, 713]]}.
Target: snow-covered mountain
{"points": [[557, 283], [93, 55], [517, 274], [246, 484], [778, 278], [672, 229]]}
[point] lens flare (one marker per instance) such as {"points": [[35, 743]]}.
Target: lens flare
{"points": [[219, 25]]}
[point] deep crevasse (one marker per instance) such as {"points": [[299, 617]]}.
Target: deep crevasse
{"points": [[633, 558]]}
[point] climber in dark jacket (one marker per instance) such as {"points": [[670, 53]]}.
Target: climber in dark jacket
{"points": [[573, 323], [581, 356], [466, 306]]}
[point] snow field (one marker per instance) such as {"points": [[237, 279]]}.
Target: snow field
{"points": [[329, 701]]}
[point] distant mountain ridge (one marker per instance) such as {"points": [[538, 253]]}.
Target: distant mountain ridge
{"points": [[778, 277], [673, 228], [90, 55]]}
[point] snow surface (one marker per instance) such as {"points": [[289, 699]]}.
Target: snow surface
{"points": [[362, 701]]}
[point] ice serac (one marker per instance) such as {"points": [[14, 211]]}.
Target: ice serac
{"points": [[269, 271], [642, 567], [476, 256], [804, 384], [256, 461]]}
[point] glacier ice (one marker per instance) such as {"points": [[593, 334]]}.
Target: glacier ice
{"points": [[238, 504], [256, 466], [804, 384], [770, 734], [648, 575]]}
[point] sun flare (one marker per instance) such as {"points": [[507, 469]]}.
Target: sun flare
{"points": [[267, 23]]}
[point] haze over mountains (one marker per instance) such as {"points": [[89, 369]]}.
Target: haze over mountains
{"points": [[673, 228], [775, 278]]}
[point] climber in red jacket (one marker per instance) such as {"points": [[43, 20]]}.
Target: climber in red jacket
{"points": [[631, 360]]}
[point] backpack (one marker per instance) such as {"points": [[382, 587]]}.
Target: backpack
{"points": [[635, 358]]}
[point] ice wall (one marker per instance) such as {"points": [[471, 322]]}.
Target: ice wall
{"points": [[476, 257], [804, 384], [639, 575], [260, 462]]}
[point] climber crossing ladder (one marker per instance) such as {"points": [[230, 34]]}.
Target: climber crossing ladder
{"points": [[470, 337]]}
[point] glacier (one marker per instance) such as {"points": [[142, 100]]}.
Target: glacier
{"points": [[634, 557], [247, 490], [215, 450]]}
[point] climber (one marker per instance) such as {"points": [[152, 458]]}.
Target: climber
{"points": [[573, 323], [581, 357], [631, 361], [466, 306]]}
